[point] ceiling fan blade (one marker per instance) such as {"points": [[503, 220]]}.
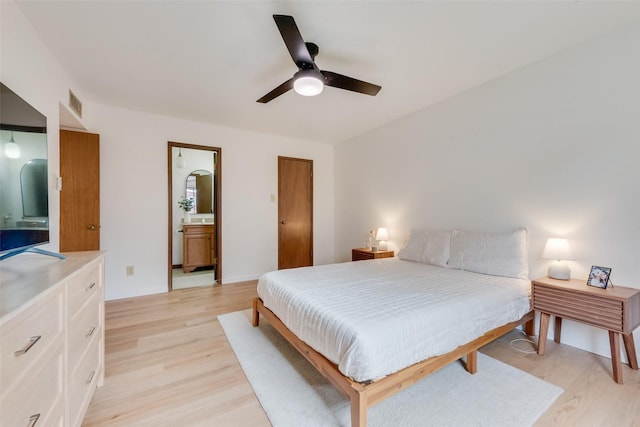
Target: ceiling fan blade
{"points": [[284, 87], [293, 40], [349, 83]]}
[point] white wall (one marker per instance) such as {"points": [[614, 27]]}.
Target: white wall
{"points": [[554, 147], [134, 194]]}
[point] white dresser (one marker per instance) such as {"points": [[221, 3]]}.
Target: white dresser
{"points": [[51, 338]]}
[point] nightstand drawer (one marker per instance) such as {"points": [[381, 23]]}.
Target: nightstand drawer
{"points": [[590, 309], [360, 256], [365, 254]]}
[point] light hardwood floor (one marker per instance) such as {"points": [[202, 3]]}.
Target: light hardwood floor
{"points": [[168, 363]]}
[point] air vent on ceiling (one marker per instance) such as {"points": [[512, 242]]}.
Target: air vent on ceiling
{"points": [[75, 104]]}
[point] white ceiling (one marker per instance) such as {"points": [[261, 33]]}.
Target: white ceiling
{"points": [[210, 60]]}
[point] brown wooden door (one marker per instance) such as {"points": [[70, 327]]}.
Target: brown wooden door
{"points": [[295, 210], [80, 195]]}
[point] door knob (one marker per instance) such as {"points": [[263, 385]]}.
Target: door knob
{"points": [[283, 222], [91, 227]]}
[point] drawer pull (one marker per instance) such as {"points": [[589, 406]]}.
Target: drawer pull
{"points": [[90, 331], [91, 286], [33, 420], [90, 377], [32, 342]]}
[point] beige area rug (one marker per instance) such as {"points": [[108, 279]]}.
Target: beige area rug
{"points": [[294, 394]]}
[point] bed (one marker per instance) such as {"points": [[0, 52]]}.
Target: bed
{"points": [[373, 328]]}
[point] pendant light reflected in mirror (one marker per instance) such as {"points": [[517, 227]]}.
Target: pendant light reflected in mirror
{"points": [[180, 160], [11, 149]]}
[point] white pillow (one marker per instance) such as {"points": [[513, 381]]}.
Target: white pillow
{"points": [[412, 249], [436, 248], [503, 254], [429, 247]]}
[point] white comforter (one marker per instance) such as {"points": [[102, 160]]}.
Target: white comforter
{"points": [[373, 318]]}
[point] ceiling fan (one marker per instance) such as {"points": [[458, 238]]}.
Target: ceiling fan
{"points": [[310, 80]]}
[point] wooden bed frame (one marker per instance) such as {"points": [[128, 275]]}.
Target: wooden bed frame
{"points": [[364, 395]]}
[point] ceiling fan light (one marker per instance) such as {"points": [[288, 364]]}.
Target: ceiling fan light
{"points": [[308, 83]]}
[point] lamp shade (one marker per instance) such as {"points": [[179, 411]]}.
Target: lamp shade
{"points": [[557, 248], [308, 82], [382, 234]]}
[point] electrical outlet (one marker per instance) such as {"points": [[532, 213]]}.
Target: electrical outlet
{"points": [[131, 271]]}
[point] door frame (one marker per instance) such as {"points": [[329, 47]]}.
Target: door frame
{"points": [[217, 202]]}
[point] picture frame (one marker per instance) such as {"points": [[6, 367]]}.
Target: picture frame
{"points": [[599, 276]]}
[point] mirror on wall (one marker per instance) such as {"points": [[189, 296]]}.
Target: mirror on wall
{"points": [[194, 220], [199, 187], [33, 186]]}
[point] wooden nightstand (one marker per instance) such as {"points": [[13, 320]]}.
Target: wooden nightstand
{"points": [[364, 253], [615, 309]]}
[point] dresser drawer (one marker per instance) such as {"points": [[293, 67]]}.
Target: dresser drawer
{"points": [[27, 338], [83, 286], [57, 418], [84, 327], [37, 398], [82, 382]]}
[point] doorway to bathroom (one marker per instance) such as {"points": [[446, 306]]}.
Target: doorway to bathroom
{"points": [[194, 201]]}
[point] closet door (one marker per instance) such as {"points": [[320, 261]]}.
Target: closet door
{"points": [[80, 195], [295, 210]]}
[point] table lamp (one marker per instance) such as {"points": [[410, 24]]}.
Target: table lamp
{"points": [[382, 236], [558, 250]]}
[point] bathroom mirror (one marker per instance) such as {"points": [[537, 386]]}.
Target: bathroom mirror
{"points": [[195, 244], [33, 186], [199, 187]]}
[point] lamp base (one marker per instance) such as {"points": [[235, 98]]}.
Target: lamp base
{"points": [[382, 245], [559, 270]]}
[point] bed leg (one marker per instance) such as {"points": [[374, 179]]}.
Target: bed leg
{"points": [[472, 362], [358, 410], [530, 327], [255, 320]]}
